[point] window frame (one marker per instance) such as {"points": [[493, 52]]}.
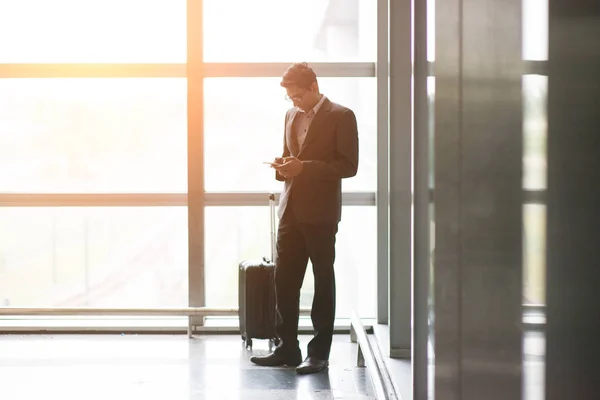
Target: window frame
{"points": [[195, 70]]}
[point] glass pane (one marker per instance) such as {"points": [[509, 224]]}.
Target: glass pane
{"points": [[93, 256], [93, 135], [534, 219], [288, 30], [534, 365], [535, 29], [95, 31], [535, 94], [431, 128], [239, 233], [431, 30], [236, 147]]}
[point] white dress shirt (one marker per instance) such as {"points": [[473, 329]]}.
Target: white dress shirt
{"points": [[303, 121]]}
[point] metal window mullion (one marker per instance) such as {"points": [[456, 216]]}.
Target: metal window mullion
{"points": [[400, 163], [180, 70], [421, 219], [210, 199], [92, 199], [529, 67], [87, 70], [195, 162], [535, 67], [262, 199], [276, 70], [382, 198], [157, 199]]}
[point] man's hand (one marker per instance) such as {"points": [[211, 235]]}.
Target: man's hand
{"points": [[290, 168]]}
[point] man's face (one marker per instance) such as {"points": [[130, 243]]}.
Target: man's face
{"points": [[301, 97]]}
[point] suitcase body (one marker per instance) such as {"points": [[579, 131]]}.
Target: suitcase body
{"points": [[257, 312]]}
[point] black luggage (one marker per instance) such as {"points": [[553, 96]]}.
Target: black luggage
{"points": [[257, 313]]}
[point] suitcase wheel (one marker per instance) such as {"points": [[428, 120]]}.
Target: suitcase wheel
{"points": [[249, 343]]}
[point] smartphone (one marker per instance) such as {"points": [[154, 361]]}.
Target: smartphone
{"points": [[272, 164]]}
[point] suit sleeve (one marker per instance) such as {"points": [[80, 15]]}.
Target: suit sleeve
{"points": [[286, 151], [345, 165]]}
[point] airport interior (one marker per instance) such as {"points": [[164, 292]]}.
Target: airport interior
{"points": [[466, 258]]}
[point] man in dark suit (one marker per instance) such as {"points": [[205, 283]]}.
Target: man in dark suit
{"points": [[320, 149]]}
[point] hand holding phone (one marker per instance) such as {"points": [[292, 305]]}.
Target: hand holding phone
{"points": [[276, 163]]}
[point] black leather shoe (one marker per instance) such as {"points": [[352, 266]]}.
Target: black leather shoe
{"points": [[278, 359], [312, 365]]}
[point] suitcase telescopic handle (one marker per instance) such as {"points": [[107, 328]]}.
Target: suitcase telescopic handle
{"points": [[272, 217]]}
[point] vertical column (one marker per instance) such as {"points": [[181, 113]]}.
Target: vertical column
{"points": [[195, 143], [400, 182], [491, 200], [447, 257], [478, 200], [420, 287], [383, 79], [573, 255]]}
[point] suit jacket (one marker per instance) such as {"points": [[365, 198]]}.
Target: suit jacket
{"points": [[329, 154]]}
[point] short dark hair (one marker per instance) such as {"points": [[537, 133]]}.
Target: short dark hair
{"points": [[299, 74]]}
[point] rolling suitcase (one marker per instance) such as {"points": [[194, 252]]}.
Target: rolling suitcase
{"points": [[257, 314]]}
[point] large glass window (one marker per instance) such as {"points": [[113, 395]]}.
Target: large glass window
{"points": [[93, 256], [535, 30], [129, 135], [92, 31], [244, 126], [535, 131], [234, 234], [535, 91], [534, 254], [430, 30], [93, 135], [288, 30]]}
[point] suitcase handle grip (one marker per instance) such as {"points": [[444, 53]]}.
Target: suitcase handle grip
{"points": [[272, 217]]}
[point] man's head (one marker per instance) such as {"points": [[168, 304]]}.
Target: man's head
{"points": [[300, 83]]}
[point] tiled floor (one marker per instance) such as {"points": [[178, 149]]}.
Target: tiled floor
{"points": [[166, 367]]}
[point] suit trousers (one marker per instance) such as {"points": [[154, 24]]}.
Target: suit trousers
{"points": [[296, 244]]}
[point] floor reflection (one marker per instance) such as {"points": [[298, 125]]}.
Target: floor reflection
{"points": [[167, 367]]}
